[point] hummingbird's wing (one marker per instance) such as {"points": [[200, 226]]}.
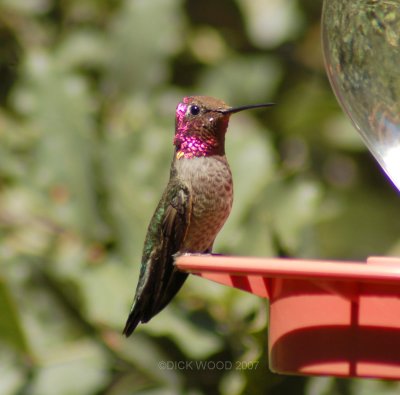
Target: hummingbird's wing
{"points": [[159, 280]]}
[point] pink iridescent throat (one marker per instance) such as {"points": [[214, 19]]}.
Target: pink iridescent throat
{"points": [[190, 146], [193, 147]]}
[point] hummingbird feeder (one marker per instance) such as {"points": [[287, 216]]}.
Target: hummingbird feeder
{"points": [[325, 317], [331, 317]]}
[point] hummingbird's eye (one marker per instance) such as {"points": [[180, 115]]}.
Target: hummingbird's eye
{"points": [[194, 110]]}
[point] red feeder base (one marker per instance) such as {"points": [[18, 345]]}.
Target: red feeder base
{"points": [[326, 317]]}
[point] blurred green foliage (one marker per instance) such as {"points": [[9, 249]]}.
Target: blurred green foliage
{"points": [[87, 97]]}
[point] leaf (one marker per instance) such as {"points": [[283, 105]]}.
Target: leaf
{"points": [[269, 24], [12, 376], [138, 53], [193, 341], [107, 291], [11, 332], [71, 369], [262, 75], [294, 208]]}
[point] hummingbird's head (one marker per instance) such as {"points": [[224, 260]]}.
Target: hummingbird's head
{"points": [[201, 124]]}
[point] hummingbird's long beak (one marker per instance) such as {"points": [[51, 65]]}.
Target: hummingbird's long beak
{"points": [[232, 110]]}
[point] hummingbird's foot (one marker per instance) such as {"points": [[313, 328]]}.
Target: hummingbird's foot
{"points": [[178, 254], [206, 253]]}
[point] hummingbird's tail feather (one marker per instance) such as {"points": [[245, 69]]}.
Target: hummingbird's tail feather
{"points": [[174, 285], [132, 322], [148, 304]]}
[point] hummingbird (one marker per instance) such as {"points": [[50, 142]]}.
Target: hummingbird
{"points": [[194, 206]]}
